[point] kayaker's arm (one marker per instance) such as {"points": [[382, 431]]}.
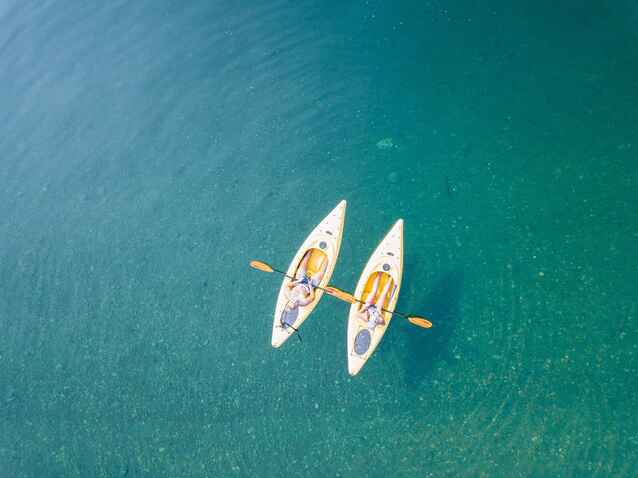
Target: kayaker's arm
{"points": [[307, 300]]}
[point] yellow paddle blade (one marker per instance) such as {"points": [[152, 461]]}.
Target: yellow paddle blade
{"points": [[261, 266], [420, 321], [339, 294]]}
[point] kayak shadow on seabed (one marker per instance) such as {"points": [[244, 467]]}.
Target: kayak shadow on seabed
{"points": [[426, 349]]}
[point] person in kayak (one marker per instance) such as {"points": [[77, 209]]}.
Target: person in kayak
{"points": [[371, 312], [302, 289]]}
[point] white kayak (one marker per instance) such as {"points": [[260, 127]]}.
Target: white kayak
{"points": [[322, 246], [385, 264]]}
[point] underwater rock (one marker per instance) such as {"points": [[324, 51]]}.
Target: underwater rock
{"points": [[386, 143]]}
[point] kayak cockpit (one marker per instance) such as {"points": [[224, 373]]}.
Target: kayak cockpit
{"points": [[315, 263], [384, 278]]}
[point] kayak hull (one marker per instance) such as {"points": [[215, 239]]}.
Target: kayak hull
{"points": [[324, 243], [387, 261]]}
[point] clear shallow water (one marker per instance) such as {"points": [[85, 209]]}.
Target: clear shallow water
{"points": [[149, 151]]}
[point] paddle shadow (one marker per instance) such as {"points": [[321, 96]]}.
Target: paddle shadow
{"points": [[428, 347]]}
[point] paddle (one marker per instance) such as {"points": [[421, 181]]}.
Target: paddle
{"points": [[262, 266], [345, 296]]}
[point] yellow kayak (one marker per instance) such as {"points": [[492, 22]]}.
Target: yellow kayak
{"points": [[385, 267], [320, 250]]}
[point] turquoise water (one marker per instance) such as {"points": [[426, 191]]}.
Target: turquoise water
{"points": [[149, 150]]}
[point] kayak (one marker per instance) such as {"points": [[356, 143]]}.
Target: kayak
{"points": [[386, 263], [323, 246]]}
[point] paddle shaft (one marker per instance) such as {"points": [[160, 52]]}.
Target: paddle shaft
{"points": [[401, 314], [353, 297], [382, 309]]}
